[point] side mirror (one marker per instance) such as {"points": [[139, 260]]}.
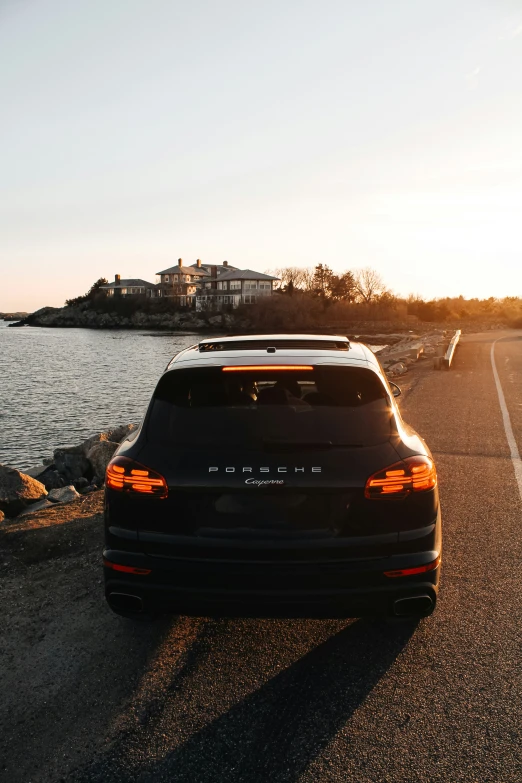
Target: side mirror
{"points": [[396, 390]]}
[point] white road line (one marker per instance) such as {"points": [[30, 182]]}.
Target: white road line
{"points": [[515, 454]]}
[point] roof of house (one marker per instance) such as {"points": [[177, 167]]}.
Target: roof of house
{"points": [[183, 270], [130, 282], [220, 267], [246, 274]]}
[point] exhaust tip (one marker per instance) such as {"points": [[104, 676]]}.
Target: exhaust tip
{"points": [[413, 605], [124, 602]]}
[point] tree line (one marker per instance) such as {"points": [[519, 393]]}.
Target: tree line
{"points": [[362, 294], [362, 285]]}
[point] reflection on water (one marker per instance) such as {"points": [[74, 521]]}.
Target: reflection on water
{"points": [[60, 385]]}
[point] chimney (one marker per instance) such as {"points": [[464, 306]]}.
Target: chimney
{"points": [[198, 263], [225, 263], [180, 262], [117, 279]]}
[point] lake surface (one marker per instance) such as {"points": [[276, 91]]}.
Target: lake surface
{"points": [[58, 386]]}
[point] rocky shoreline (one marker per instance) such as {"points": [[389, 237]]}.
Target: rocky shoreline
{"points": [[398, 356], [13, 316], [71, 472], [82, 317]]}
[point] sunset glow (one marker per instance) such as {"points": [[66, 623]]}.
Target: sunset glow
{"points": [[351, 135]]}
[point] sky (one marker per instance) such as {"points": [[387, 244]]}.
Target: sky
{"points": [[283, 133]]}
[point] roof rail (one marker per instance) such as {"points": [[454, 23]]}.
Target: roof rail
{"points": [[273, 344]]}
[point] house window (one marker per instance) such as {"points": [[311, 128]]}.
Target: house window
{"points": [[235, 284], [250, 299], [265, 285], [166, 277], [250, 284]]}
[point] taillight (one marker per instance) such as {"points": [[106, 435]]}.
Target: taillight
{"points": [[126, 569], [416, 570], [125, 475], [413, 474]]}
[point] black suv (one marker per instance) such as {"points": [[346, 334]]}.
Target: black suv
{"points": [[273, 476]]}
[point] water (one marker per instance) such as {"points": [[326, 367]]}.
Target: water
{"points": [[58, 386]]}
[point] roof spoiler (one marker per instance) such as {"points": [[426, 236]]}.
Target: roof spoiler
{"points": [[271, 345]]}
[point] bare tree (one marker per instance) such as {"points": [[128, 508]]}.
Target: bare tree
{"points": [[369, 285], [307, 278], [293, 277]]}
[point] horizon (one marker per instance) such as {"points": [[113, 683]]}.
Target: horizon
{"points": [[287, 136]]}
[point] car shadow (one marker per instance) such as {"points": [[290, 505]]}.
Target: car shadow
{"points": [[275, 733]]}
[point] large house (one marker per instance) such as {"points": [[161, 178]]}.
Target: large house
{"points": [[203, 286], [232, 288], [128, 287], [181, 282]]}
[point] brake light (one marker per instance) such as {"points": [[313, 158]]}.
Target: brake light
{"points": [[126, 569], [125, 475], [417, 570], [266, 367], [413, 474]]}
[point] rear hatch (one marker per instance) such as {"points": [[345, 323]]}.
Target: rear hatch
{"points": [[266, 460]]}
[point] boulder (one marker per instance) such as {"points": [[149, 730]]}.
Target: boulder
{"points": [[92, 440], [100, 455], [41, 505], [71, 463], [17, 491], [36, 472], [81, 483], [64, 495], [90, 488], [51, 479], [117, 434], [397, 369]]}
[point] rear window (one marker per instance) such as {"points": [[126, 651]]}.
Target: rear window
{"points": [[219, 407]]}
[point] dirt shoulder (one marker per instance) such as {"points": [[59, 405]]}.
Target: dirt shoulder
{"points": [[59, 531]]}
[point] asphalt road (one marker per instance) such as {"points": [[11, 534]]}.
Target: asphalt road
{"points": [[91, 698]]}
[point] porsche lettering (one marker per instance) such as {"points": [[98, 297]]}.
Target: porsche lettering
{"points": [[277, 469]]}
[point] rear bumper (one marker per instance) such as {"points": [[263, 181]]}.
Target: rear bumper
{"points": [[223, 589]]}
